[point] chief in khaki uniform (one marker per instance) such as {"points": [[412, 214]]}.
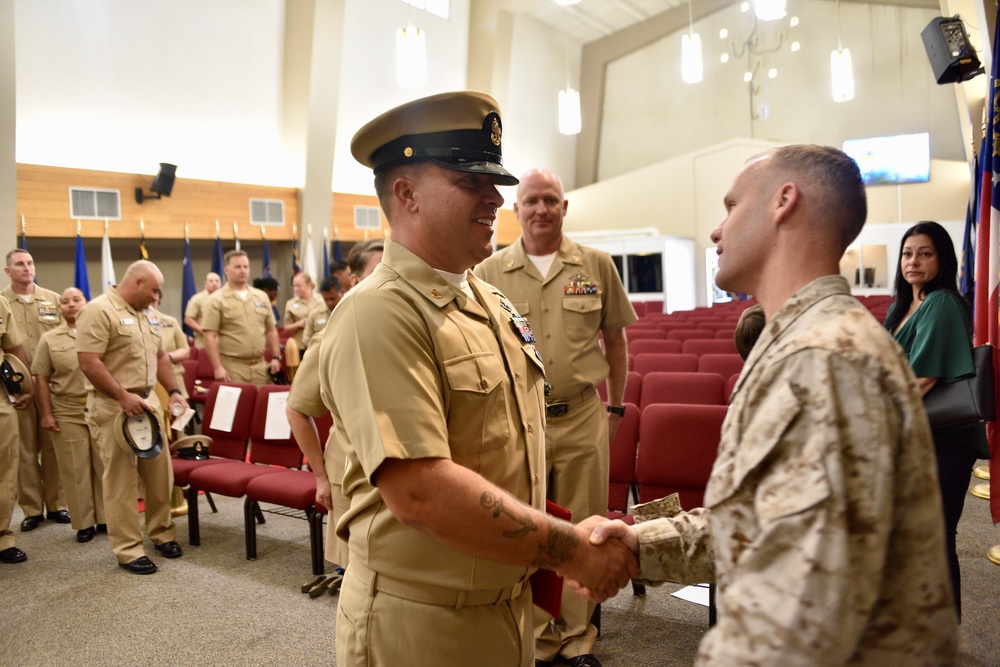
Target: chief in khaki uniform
{"points": [[121, 354], [175, 343], [331, 291], [61, 398], [573, 296], [436, 392], [299, 307], [36, 311], [11, 341], [196, 307], [822, 523], [237, 324]]}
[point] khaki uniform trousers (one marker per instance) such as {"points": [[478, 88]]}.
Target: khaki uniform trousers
{"points": [[576, 455], [336, 547], [38, 488], [244, 370], [376, 629], [80, 463], [120, 493], [9, 453]]}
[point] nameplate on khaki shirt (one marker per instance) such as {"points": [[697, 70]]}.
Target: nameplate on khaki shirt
{"points": [[225, 409], [128, 320]]}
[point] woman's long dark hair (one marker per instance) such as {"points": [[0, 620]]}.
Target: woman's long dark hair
{"points": [[946, 278]]}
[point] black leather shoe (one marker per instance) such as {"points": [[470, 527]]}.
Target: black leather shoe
{"points": [[585, 660], [169, 549], [139, 566], [86, 535], [13, 555], [31, 522], [102, 528], [61, 516], [544, 663]]}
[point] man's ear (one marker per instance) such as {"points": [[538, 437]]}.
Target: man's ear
{"points": [[785, 201], [404, 193]]}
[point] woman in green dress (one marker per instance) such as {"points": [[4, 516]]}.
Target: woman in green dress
{"points": [[933, 324]]}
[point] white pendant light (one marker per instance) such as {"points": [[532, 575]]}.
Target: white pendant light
{"points": [[841, 70], [570, 122], [769, 10], [691, 65], [411, 57]]}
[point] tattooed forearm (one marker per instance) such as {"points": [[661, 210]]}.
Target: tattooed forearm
{"points": [[558, 548], [495, 504]]}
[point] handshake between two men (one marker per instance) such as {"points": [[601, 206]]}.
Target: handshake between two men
{"points": [[608, 561]]}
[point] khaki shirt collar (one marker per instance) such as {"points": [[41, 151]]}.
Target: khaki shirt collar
{"points": [[425, 280], [569, 253], [797, 305], [118, 301]]}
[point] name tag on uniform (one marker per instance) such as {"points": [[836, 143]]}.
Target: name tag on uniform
{"points": [[259, 304], [127, 320], [522, 329]]}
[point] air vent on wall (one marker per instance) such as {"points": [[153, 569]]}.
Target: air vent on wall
{"points": [[267, 212], [94, 204], [367, 217]]}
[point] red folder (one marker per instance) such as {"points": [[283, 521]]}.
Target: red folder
{"points": [[546, 585]]}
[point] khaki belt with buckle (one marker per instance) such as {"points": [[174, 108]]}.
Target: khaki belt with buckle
{"points": [[431, 594], [243, 360], [143, 392], [559, 406]]}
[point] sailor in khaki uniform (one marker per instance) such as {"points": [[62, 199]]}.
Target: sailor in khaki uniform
{"points": [[237, 324], [11, 341], [573, 297], [331, 291], [36, 310], [822, 523], [298, 308], [196, 307], [121, 355], [175, 343], [436, 392], [62, 398]]}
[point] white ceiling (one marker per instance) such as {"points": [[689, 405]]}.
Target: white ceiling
{"points": [[590, 20]]}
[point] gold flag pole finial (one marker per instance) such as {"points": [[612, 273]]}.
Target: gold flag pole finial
{"points": [[142, 226], [22, 223], [78, 227], [105, 225], [185, 232], [236, 232], [216, 226]]}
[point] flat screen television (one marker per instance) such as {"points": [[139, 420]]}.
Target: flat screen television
{"points": [[903, 158]]}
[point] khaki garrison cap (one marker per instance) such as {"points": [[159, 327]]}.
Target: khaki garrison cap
{"points": [[459, 131]]}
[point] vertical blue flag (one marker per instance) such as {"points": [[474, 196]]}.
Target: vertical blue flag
{"points": [[188, 289], [217, 259], [265, 271], [336, 249], [296, 269], [22, 243], [967, 268], [80, 280]]}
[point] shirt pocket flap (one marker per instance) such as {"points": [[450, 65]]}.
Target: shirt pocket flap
{"points": [[582, 304], [478, 372], [522, 307]]}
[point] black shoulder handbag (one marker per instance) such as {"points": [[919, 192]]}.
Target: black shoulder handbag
{"points": [[964, 402]]}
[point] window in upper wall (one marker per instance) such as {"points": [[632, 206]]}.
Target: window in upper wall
{"points": [[94, 204], [267, 212], [367, 217], [435, 7]]}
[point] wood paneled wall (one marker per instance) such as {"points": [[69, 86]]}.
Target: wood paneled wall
{"points": [[43, 200]]}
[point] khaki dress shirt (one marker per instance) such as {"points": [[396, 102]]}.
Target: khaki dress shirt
{"points": [[127, 338], [240, 324], [36, 316]]}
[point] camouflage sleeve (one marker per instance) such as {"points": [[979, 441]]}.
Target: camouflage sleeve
{"points": [[677, 548]]}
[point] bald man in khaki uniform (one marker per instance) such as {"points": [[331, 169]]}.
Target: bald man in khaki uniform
{"points": [[11, 340], [238, 323], [121, 355], [573, 296], [36, 309], [437, 397]]}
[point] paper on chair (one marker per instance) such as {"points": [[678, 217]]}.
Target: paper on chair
{"points": [[697, 594], [276, 426], [225, 409]]}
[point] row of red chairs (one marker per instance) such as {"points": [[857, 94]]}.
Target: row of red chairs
{"points": [[695, 346], [680, 387], [246, 463]]}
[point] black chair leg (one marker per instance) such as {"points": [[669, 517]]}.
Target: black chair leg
{"points": [[194, 532], [638, 590], [316, 540], [712, 610], [257, 513], [211, 503], [250, 528]]}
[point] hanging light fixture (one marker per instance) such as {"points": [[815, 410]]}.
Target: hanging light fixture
{"points": [[691, 65], [411, 57], [570, 122], [841, 70], [769, 10]]}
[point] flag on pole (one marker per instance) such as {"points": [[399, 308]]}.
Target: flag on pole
{"points": [[107, 265], [988, 253], [236, 235], [142, 240], [80, 280], [326, 255], [336, 246], [967, 265], [217, 255], [308, 256], [295, 252], [265, 270], [188, 288], [22, 243]]}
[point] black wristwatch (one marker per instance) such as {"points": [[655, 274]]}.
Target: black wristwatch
{"points": [[617, 410], [175, 390]]}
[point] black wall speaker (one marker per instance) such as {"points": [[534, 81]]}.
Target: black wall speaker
{"points": [[952, 57], [164, 181]]}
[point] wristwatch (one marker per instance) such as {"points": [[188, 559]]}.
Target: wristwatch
{"points": [[617, 410], [175, 390]]}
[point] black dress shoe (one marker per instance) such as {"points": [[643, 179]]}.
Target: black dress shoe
{"points": [[139, 566], [102, 528], [585, 660], [61, 516], [13, 555], [169, 549], [86, 535], [31, 522]]}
